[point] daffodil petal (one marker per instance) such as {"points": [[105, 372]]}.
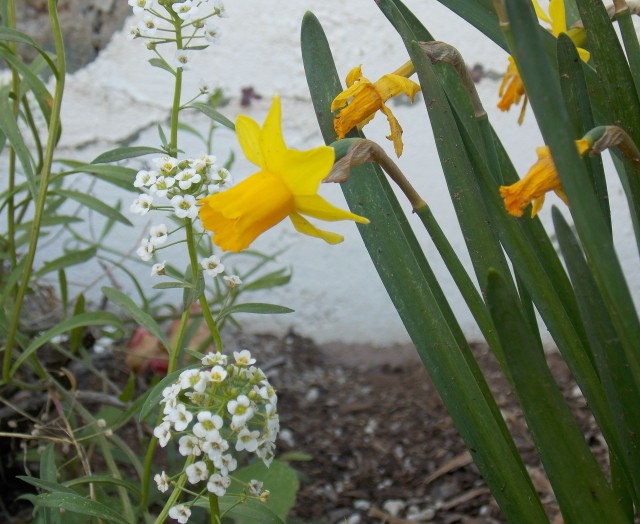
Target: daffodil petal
{"points": [[317, 207], [558, 17], [248, 133], [304, 226], [354, 75], [272, 143], [396, 130], [302, 171], [391, 85], [342, 99], [584, 54], [541, 14]]}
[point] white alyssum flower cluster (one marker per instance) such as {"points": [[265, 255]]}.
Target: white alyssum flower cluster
{"points": [[214, 411], [176, 186], [194, 16]]}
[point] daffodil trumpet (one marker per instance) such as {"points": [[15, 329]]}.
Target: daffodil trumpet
{"points": [[512, 90], [541, 178], [352, 152], [357, 105], [285, 186]]}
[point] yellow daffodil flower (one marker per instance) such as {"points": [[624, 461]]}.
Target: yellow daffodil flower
{"points": [[286, 185], [541, 178], [368, 97], [512, 89]]}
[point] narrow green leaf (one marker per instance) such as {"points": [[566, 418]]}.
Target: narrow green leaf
{"points": [[255, 308], [51, 486], [70, 258], [620, 386], [213, 114], [50, 221], [162, 64], [276, 278], [96, 318], [94, 203], [40, 92], [173, 285], [117, 175], [546, 100], [578, 483], [78, 504], [122, 153], [9, 34], [576, 98], [422, 305], [104, 479], [76, 334], [10, 128], [48, 468], [143, 319]]}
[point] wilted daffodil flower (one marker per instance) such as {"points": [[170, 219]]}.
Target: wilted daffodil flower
{"points": [[541, 178], [368, 97], [512, 89], [286, 185]]}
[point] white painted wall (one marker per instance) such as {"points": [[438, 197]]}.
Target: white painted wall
{"points": [[335, 290]]}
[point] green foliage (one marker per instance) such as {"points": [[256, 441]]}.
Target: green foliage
{"points": [[583, 300]]}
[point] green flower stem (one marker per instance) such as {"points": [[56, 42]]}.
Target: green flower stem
{"points": [[177, 90], [630, 40], [54, 125], [214, 506], [15, 81], [175, 494], [202, 299]]}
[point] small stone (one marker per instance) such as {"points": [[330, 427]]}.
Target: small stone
{"points": [[425, 515], [361, 504], [393, 507], [312, 395], [286, 435]]}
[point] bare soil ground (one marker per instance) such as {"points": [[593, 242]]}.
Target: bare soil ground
{"points": [[383, 448]]}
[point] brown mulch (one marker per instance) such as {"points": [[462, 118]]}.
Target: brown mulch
{"points": [[382, 447]]}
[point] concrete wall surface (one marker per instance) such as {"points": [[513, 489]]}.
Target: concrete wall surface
{"points": [[119, 99]]}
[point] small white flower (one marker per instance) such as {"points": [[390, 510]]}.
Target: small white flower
{"points": [[196, 472], [181, 513], [193, 379], [188, 445], [133, 33], [148, 26], [214, 359], [141, 205], [205, 88], [212, 266], [217, 374], [158, 234], [226, 464], [241, 410], [218, 484], [182, 59], [211, 32], [185, 206], [180, 417], [145, 178], [187, 177], [220, 179], [243, 358], [170, 397], [207, 426], [165, 164], [162, 433], [162, 480], [265, 453], [145, 251], [247, 440], [215, 448], [140, 5], [232, 281], [204, 163], [158, 269], [185, 10], [255, 487], [162, 185], [219, 9]]}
